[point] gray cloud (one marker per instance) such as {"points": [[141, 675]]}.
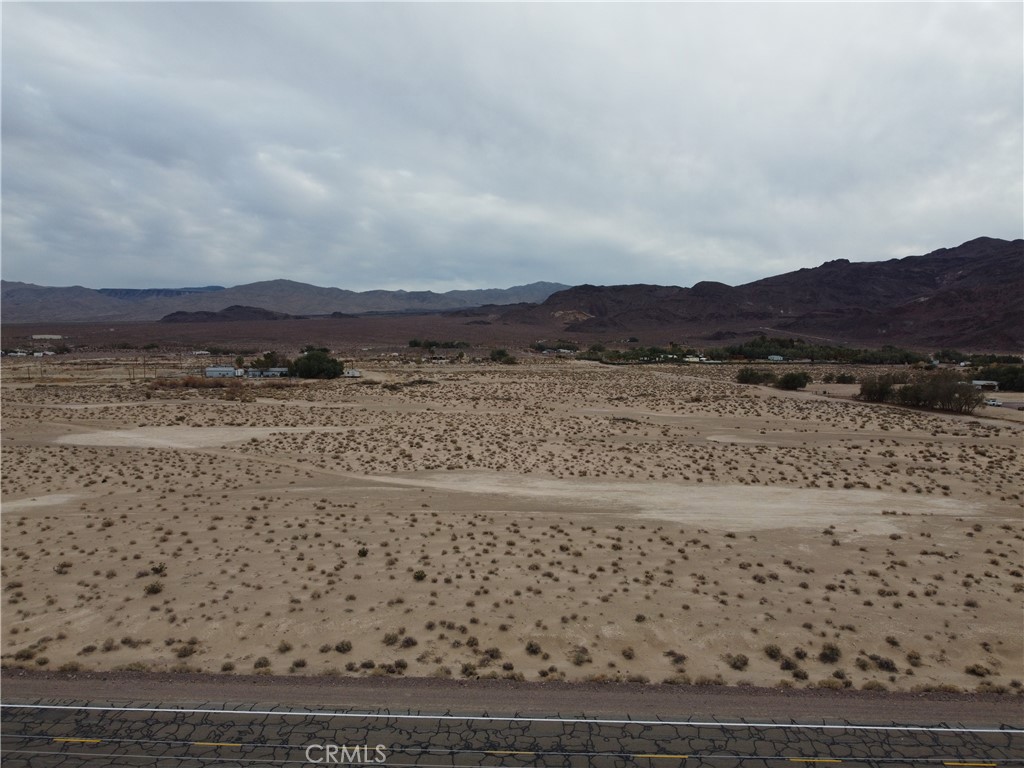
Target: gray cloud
{"points": [[442, 146]]}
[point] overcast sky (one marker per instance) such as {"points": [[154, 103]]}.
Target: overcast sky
{"points": [[444, 146]]}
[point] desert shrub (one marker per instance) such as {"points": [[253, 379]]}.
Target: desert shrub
{"points": [[705, 680], [533, 647], [738, 661], [343, 646], [748, 375], [830, 683], [773, 652], [677, 658], [580, 656], [153, 588], [793, 380], [883, 663], [829, 654], [261, 663]]}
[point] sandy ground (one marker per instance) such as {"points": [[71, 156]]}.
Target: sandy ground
{"points": [[556, 520]]}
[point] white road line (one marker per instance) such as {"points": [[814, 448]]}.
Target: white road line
{"points": [[515, 719]]}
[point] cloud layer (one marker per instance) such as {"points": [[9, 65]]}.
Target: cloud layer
{"points": [[456, 146]]}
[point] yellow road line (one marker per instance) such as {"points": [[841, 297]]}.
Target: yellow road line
{"points": [[77, 741], [664, 757], [975, 765], [213, 744]]}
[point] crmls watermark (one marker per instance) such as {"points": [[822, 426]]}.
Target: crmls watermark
{"points": [[334, 754]]}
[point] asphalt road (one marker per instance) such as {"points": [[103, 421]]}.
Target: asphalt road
{"points": [[85, 731]]}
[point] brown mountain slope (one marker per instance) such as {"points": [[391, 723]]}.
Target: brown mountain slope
{"points": [[971, 295]]}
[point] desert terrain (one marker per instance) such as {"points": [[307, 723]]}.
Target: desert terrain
{"points": [[552, 520]]}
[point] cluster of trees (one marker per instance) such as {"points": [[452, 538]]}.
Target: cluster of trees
{"points": [[956, 356], [936, 390], [763, 347], [839, 378], [313, 363], [502, 356], [1009, 377], [791, 381], [316, 364], [268, 360], [639, 354]]}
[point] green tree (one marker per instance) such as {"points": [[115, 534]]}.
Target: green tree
{"points": [[270, 359], [1010, 377], [794, 380], [748, 375], [316, 364]]}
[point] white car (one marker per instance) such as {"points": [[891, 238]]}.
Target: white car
{"points": [[993, 401]]}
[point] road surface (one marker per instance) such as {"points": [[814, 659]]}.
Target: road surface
{"points": [[486, 725]]}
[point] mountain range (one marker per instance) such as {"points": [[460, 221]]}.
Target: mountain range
{"points": [[970, 296], [28, 303]]}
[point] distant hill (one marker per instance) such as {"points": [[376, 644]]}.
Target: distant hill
{"points": [[229, 315], [137, 294], [28, 303], [970, 296]]}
